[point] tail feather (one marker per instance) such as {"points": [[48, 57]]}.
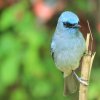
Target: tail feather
{"points": [[70, 85]]}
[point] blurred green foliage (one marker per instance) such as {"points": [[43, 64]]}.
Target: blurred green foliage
{"points": [[25, 64], [27, 71]]}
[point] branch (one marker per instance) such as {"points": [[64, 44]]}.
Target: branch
{"points": [[87, 62]]}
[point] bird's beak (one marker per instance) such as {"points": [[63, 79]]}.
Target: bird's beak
{"points": [[77, 26]]}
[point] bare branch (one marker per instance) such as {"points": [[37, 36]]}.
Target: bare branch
{"points": [[87, 62], [91, 35]]}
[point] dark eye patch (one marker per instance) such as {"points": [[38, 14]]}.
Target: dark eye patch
{"points": [[67, 24]]}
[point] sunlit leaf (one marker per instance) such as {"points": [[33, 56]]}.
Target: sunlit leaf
{"points": [[42, 89], [12, 15], [10, 70], [19, 94]]}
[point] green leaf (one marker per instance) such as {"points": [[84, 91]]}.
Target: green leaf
{"points": [[12, 15], [10, 70], [42, 89], [19, 94], [9, 44]]}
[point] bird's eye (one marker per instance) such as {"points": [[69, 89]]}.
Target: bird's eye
{"points": [[69, 25]]}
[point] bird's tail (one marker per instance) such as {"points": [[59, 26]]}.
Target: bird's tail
{"points": [[70, 85]]}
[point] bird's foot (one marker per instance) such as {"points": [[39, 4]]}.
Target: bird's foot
{"points": [[84, 82]]}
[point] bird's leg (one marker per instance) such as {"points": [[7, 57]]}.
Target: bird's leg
{"points": [[84, 82]]}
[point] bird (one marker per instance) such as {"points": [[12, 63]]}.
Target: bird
{"points": [[67, 48]]}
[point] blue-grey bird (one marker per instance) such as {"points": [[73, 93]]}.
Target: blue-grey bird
{"points": [[67, 48]]}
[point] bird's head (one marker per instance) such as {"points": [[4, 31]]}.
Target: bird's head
{"points": [[68, 21]]}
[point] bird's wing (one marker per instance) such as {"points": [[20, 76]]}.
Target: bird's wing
{"points": [[52, 49]]}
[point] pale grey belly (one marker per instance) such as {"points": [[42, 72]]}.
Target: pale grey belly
{"points": [[69, 58], [66, 60], [68, 52]]}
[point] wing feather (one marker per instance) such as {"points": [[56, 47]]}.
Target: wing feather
{"points": [[52, 49]]}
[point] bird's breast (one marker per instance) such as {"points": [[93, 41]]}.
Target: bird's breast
{"points": [[69, 52]]}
